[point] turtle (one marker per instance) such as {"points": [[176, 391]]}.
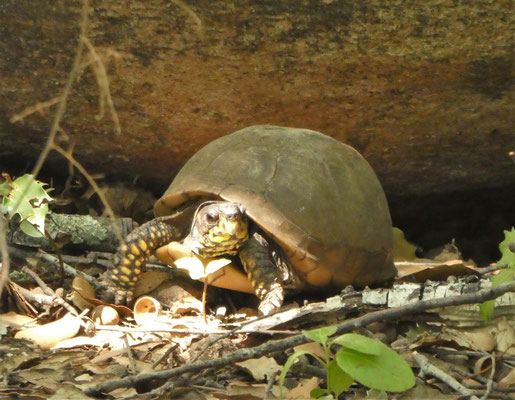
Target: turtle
{"points": [[299, 209]]}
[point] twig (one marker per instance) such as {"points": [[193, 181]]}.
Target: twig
{"points": [[270, 385], [32, 297], [129, 353], [195, 332], [103, 83], [61, 105], [426, 368], [166, 354], [283, 344], [39, 107], [93, 184], [490, 383], [5, 263], [49, 292]]}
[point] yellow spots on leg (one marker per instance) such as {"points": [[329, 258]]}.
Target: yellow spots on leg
{"points": [[131, 257], [143, 245], [114, 277], [126, 261], [126, 271], [137, 263], [125, 278], [135, 250], [136, 271]]}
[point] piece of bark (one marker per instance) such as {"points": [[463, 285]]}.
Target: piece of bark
{"points": [[75, 232]]}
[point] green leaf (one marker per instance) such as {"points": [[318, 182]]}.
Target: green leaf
{"points": [[320, 335], [27, 197], [317, 393], [508, 256], [386, 371], [487, 308], [337, 380], [360, 343], [287, 365], [5, 188]]}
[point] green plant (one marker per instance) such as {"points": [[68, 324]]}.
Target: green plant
{"points": [[26, 197], [507, 247], [360, 359]]}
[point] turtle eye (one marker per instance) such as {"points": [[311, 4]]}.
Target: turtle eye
{"points": [[211, 218]]}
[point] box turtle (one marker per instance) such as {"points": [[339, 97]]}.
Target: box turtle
{"points": [[297, 208]]}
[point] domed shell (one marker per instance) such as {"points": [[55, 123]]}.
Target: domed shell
{"points": [[316, 197]]}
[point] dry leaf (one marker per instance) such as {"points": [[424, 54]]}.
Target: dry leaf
{"points": [[505, 337], [508, 380], [105, 315], [302, 391], [48, 335], [260, 368], [313, 347]]}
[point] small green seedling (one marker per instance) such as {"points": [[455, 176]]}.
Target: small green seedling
{"points": [[507, 247], [26, 197], [360, 359]]}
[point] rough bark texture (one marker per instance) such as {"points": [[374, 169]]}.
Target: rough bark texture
{"points": [[424, 89]]}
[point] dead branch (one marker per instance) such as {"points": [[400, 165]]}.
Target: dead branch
{"points": [[281, 345], [426, 368]]}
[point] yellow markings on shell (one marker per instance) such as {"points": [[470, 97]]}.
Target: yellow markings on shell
{"points": [[137, 263], [135, 250], [136, 271], [143, 245], [135, 279], [125, 278], [152, 236], [126, 261], [124, 248], [126, 271], [131, 257], [114, 277]]}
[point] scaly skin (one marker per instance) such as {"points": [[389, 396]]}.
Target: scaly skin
{"points": [[132, 255]]}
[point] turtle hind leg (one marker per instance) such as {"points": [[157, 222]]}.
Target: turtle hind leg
{"points": [[132, 255], [264, 275]]}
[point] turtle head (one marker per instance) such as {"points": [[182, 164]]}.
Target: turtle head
{"points": [[219, 227]]}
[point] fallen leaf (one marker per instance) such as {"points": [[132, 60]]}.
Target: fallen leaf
{"points": [[304, 389], [260, 368], [48, 335], [508, 380]]}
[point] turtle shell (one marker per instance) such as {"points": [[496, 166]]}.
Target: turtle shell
{"points": [[316, 197]]}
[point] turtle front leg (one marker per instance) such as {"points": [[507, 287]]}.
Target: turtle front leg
{"points": [[132, 255], [263, 273]]}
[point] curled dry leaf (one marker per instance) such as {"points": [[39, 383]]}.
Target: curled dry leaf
{"points": [[82, 292], [146, 309], [48, 335], [105, 315]]}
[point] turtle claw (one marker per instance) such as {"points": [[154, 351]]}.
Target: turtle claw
{"points": [[272, 301]]}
